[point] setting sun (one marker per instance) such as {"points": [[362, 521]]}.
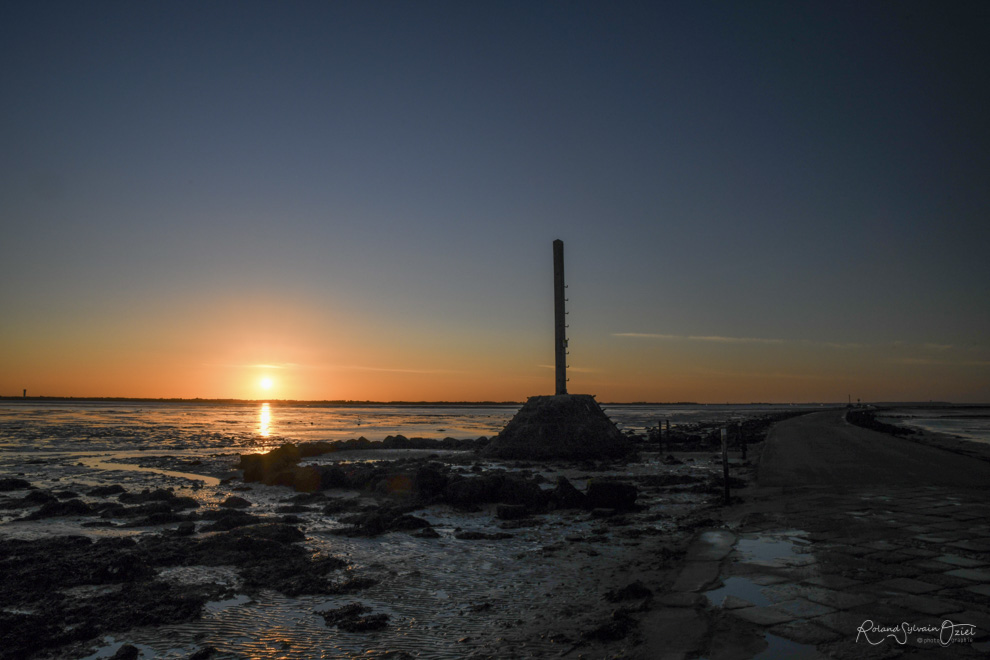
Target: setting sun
{"points": [[266, 383]]}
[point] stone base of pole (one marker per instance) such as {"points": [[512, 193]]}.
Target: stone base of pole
{"points": [[563, 426]]}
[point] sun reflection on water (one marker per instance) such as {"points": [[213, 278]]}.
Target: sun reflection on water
{"points": [[265, 421]]}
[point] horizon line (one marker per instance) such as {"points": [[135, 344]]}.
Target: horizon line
{"points": [[354, 402]]}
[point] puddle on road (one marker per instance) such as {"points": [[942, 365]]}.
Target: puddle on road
{"points": [[739, 587], [778, 549]]}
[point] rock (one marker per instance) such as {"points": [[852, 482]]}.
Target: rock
{"points": [[105, 491], [354, 617], [396, 442], [427, 533], [395, 485], [511, 511], [277, 532], [333, 476], [518, 491], [294, 508], [162, 518], [126, 652], [377, 522], [365, 623], [235, 502], [351, 585], [349, 611], [13, 483], [407, 522], [229, 519], [56, 509], [470, 535], [566, 496], [185, 528], [183, 503], [472, 491], [340, 505], [36, 497], [204, 653], [632, 591], [430, 482], [157, 495], [616, 628], [610, 495], [263, 467]]}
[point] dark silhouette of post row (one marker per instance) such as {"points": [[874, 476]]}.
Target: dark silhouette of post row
{"points": [[560, 335], [725, 464]]}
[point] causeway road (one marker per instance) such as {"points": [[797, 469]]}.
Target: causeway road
{"points": [[823, 449]]}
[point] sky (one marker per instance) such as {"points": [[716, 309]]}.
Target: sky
{"points": [[759, 201]]}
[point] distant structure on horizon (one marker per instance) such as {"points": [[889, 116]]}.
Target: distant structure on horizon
{"points": [[567, 426]]}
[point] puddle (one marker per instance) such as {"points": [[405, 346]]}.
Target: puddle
{"points": [[739, 587], [99, 463], [779, 648], [112, 646], [784, 548], [214, 606], [779, 549]]}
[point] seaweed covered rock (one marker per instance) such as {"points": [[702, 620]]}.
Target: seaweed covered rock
{"points": [[566, 496], [266, 467], [564, 426], [604, 494]]}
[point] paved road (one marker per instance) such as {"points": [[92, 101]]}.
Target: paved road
{"points": [[823, 449]]}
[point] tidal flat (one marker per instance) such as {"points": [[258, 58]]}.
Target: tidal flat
{"points": [[423, 551]]}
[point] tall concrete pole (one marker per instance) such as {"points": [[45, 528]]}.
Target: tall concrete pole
{"points": [[559, 334]]}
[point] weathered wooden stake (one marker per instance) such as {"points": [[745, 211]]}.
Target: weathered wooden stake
{"points": [[725, 462], [560, 334], [660, 435]]}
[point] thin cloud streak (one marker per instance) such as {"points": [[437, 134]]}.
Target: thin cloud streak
{"points": [[706, 338], [941, 363], [758, 374], [394, 370], [743, 340], [283, 365]]}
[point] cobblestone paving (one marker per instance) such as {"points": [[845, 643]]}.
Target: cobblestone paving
{"points": [[815, 565]]}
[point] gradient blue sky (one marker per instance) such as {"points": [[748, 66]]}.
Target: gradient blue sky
{"points": [[760, 201]]}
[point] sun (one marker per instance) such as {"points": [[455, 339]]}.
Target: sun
{"points": [[266, 383]]}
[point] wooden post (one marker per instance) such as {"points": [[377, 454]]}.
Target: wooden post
{"points": [[725, 463], [742, 441], [660, 435], [560, 335]]}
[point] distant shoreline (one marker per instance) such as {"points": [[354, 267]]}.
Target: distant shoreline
{"points": [[353, 403]]}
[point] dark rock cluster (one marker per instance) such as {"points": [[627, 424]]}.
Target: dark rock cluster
{"points": [[412, 484], [37, 613]]}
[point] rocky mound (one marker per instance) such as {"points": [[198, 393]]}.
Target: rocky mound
{"points": [[564, 426]]}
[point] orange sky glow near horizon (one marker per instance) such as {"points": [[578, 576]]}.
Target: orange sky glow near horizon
{"points": [[298, 358]]}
